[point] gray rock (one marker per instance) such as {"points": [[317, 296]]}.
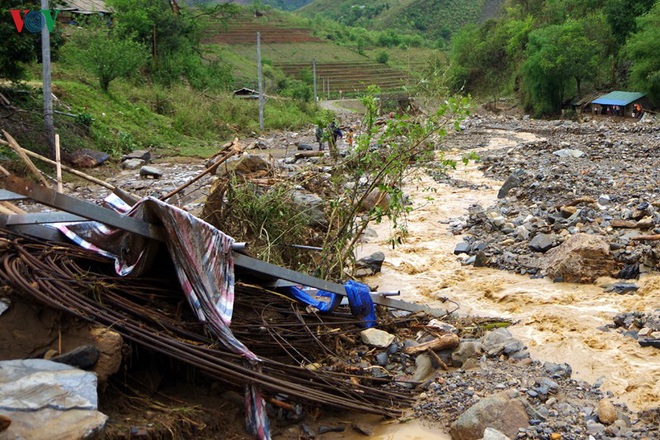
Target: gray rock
{"points": [[424, 367], [4, 305], [512, 182], [465, 350], [370, 265], [144, 155], [462, 248], [149, 171], [376, 338], [132, 164], [311, 206], [568, 152], [83, 357], [46, 399], [504, 412], [542, 242], [494, 434]]}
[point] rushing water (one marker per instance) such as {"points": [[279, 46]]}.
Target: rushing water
{"points": [[558, 321]]}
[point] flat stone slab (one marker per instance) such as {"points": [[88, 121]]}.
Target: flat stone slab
{"points": [[45, 399]]}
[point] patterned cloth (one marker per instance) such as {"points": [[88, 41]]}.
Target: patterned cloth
{"points": [[204, 265]]}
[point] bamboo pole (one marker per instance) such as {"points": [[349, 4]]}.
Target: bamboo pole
{"points": [[58, 164], [21, 153]]}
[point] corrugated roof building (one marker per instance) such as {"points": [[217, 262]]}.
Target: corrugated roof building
{"points": [[619, 103]]}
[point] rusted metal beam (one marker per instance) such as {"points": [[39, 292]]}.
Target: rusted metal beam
{"points": [[30, 224], [72, 205]]}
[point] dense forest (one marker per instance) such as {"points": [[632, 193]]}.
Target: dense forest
{"points": [[552, 52]]}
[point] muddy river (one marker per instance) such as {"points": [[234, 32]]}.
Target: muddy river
{"points": [[558, 321]]}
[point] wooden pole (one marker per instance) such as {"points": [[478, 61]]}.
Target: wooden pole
{"points": [[22, 154], [58, 165], [64, 167], [261, 82]]}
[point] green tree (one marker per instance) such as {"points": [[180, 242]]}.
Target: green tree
{"points": [[621, 15], [557, 55], [172, 36], [642, 49], [105, 54], [18, 49]]}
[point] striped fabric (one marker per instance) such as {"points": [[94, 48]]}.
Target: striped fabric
{"points": [[204, 266]]}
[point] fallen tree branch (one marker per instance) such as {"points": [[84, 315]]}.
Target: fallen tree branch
{"points": [[442, 343], [229, 150], [646, 237]]}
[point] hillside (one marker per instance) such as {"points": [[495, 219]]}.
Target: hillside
{"points": [[285, 5], [288, 47], [437, 19]]}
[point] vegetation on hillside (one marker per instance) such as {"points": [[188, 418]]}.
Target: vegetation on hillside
{"points": [[433, 20], [144, 81], [552, 52]]}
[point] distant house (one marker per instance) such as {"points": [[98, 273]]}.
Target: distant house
{"points": [[246, 93], [72, 10], [623, 104]]}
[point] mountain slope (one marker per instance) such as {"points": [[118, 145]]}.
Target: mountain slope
{"points": [[433, 18]]}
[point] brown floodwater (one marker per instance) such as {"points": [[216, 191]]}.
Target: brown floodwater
{"points": [[558, 321]]}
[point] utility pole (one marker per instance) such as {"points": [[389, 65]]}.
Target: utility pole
{"points": [[316, 99], [49, 129], [261, 91]]}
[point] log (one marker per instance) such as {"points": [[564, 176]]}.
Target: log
{"points": [[646, 237], [13, 208], [21, 153], [442, 343]]}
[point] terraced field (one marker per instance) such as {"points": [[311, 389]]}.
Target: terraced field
{"points": [[245, 32], [292, 49], [352, 77]]}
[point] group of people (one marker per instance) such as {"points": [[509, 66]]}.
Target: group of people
{"points": [[332, 133]]}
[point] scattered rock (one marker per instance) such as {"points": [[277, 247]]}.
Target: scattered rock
{"points": [[144, 155], [132, 164], [504, 412], [86, 158], [581, 259], [149, 171], [542, 242], [376, 338], [83, 357], [370, 265], [606, 412], [4, 422], [46, 399]]}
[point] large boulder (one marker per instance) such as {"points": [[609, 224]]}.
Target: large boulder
{"points": [[581, 259], [45, 400], [504, 412], [245, 164]]}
